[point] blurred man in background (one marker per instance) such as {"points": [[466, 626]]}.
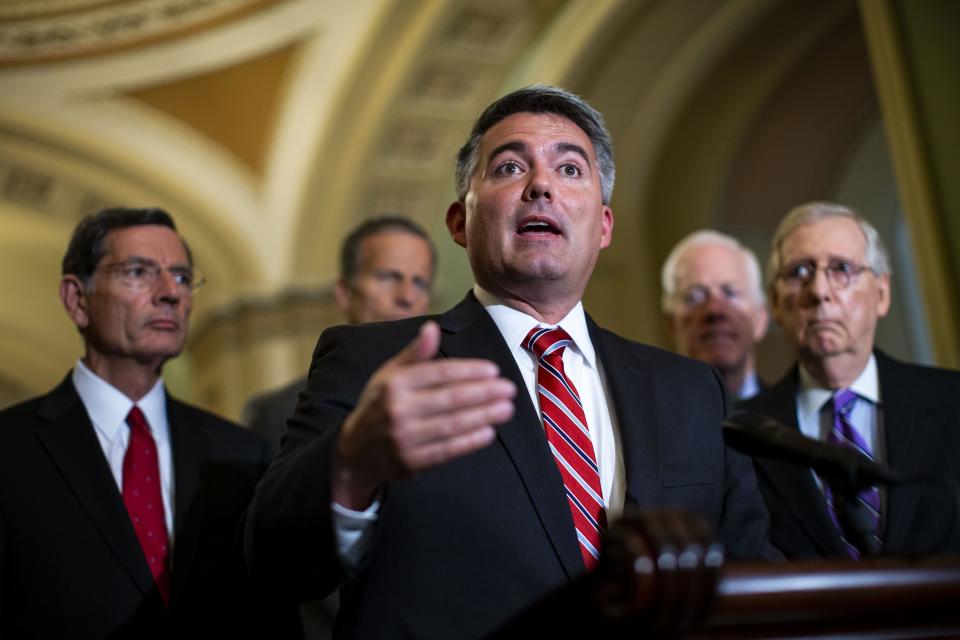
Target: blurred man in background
{"points": [[715, 308], [387, 266]]}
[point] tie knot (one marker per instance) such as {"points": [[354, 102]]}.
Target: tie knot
{"points": [[843, 401], [136, 419], [543, 341]]}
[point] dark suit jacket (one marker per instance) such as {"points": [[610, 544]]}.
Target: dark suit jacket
{"points": [[921, 424], [461, 547], [267, 413], [70, 562]]}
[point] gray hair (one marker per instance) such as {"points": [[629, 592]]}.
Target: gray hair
{"points": [[876, 256], [350, 249], [540, 98], [88, 243], [699, 238]]}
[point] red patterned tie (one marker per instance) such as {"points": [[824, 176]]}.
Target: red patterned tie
{"points": [[569, 438], [141, 495]]}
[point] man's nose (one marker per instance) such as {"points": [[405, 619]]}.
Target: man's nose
{"points": [[538, 185], [819, 286], [167, 289], [406, 293], [715, 304]]}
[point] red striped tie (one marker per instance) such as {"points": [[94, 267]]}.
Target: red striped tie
{"points": [[569, 438], [141, 495]]}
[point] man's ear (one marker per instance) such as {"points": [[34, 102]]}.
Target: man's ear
{"points": [[341, 293], [73, 295], [606, 227], [883, 294], [457, 222]]}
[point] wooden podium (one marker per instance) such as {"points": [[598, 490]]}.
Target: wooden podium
{"points": [[661, 575]]}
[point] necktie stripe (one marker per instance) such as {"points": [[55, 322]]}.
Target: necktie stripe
{"points": [[568, 437], [588, 546], [573, 445], [578, 480], [562, 382], [584, 513], [572, 420]]}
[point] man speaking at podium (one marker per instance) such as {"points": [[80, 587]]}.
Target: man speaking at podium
{"points": [[829, 284], [446, 473]]}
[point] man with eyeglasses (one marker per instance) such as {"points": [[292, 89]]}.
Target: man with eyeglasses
{"points": [[714, 305], [829, 284], [118, 503]]}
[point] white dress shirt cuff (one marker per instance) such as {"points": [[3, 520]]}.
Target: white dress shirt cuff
{"points": [[353, 529]]}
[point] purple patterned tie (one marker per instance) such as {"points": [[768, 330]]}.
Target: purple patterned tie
{"points": [[846, 435]]}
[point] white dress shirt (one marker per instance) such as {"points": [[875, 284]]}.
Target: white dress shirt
{"points": [[750, 386], [815, 415], [581, 366], [108, 407], [584, 370]]}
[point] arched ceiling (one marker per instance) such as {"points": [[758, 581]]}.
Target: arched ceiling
{"points": [[269, 127]]}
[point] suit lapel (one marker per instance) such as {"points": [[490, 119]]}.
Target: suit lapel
{"points": [[469, 332], [188, 444], [68, 437], [794, 484], [905, 445], [636, 415]]}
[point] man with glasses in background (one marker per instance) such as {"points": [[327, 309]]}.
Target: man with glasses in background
{"points": [[119, 504], [829, 284], [714, 305]]}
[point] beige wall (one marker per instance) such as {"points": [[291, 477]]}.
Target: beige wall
{"points": [[270, 128]]}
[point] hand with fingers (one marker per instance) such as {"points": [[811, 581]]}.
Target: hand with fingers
{"points": [[415, 413]]}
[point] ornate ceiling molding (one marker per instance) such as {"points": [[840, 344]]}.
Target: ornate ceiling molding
{"points": [[41, 31]]}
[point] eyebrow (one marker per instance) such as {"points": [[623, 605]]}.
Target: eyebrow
{"points": [[514, 145], [520, 147], [575, 148], [151, 261]]}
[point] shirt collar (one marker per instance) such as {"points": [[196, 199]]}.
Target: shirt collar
{"points": [[108, 407], [812, 395], [515, 325], [750, 386]]}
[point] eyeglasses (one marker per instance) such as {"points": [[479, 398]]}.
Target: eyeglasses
{"points": [[840, 273], [144, 274], [699, 294]]}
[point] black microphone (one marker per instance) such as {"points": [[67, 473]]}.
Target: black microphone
{"points": [[761, 436]]}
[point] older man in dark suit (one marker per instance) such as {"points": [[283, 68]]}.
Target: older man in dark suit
{"points": [[829, 284], [448, 472], [119, 504]]}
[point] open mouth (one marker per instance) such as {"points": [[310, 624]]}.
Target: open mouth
{"points": [[538, 225]]}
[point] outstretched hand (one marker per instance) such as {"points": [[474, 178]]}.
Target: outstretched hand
{"points": [[415, 413]]}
